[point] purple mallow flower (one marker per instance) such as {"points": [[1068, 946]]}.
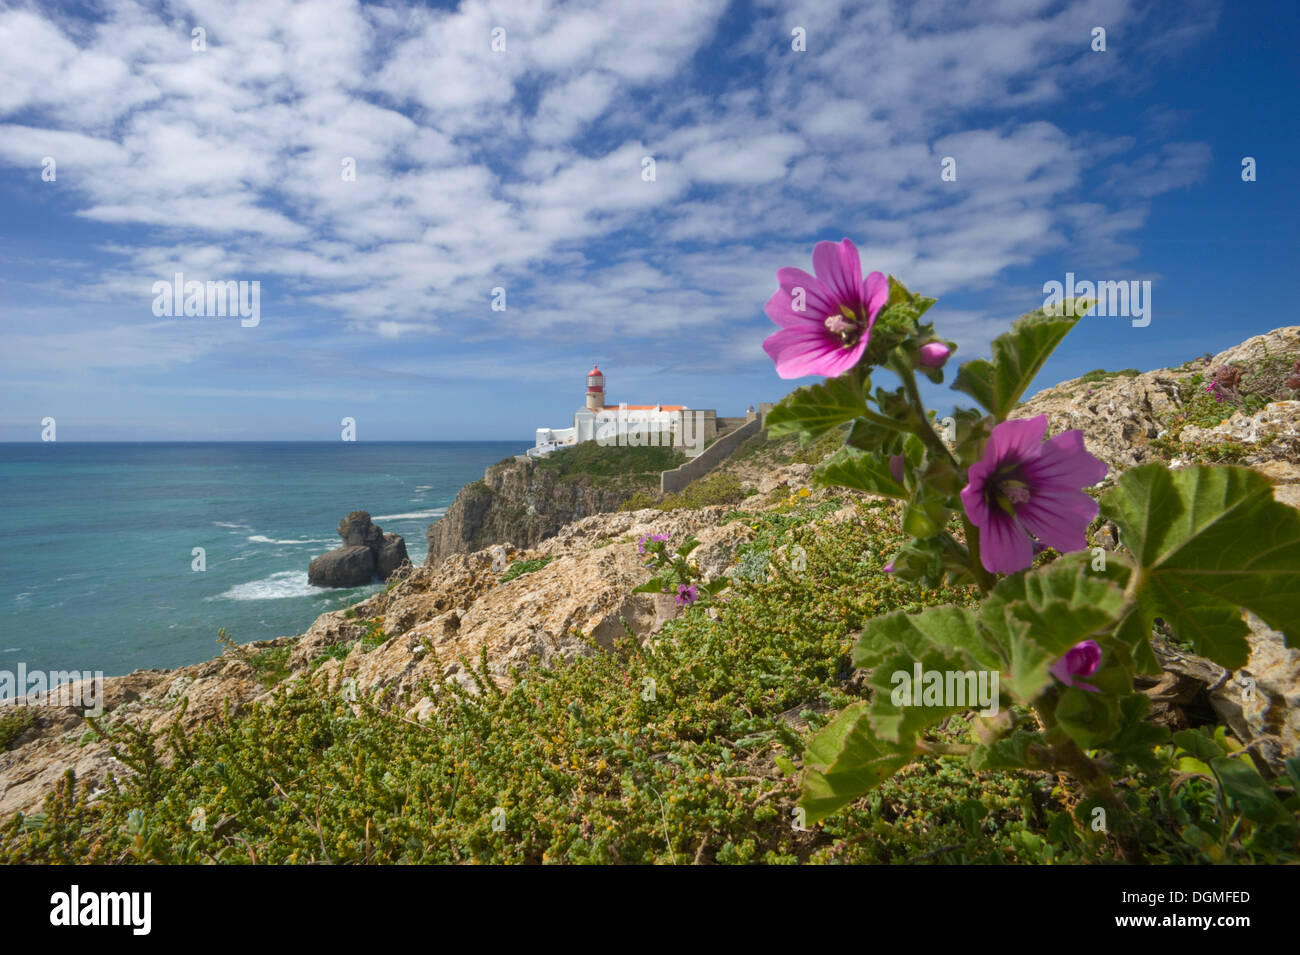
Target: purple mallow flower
{"points": [[647, 539], [825, 319], [934, 354], [686, 595], [1082, 659], [1025, 489]]}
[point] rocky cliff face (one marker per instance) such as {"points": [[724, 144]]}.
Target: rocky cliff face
{"points": [[519, 504], [1132, 420]]}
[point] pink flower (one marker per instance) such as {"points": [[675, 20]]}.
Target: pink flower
{"points": [[934, 354], [1024, 490], [825, 320], [1082, 659], [686, 595]]}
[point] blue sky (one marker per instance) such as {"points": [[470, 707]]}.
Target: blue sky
{"points": [[522, 169]]}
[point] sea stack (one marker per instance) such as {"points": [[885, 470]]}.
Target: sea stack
{"points": [[367, 553]]}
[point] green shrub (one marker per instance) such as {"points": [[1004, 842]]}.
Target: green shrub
{"points": [[612, 464], [14, 721], [1100, 374], [520, 567], [335, 651], [719, 487], [639, 500]]}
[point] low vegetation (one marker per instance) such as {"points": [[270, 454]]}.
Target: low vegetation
{"points": [[612, 465], [682, 752], [520, 567]]}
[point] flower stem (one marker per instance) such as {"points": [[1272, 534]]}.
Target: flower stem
{"points": [[1067, 756], [925, 431]]}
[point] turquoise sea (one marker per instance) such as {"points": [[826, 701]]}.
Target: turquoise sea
{"points": [[96, 542]]}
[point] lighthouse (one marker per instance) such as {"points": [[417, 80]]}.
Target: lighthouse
{"points": [[595, 390]]}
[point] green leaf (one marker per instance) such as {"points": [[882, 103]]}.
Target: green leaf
{"points": [[1018, 356], [655, 585], [1090, 718], [816, 409], [849, 467], [1011, 752], [1244, 785], [845, 760], [1138, 738], [1198, 745], [688, 545], [1210, 540], [972, 813], [1034, 618], [939, 627], [901, 708]]}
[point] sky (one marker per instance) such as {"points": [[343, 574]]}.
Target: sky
{"points": [[379, 169]]}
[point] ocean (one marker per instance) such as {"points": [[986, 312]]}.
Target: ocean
{"points": [[97, 540]]}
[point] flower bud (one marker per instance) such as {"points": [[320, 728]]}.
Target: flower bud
{"points": [[896, 467], [934, 354]]}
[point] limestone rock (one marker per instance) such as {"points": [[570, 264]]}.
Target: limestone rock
{"points": [[367, 552], [520, 502], [351, 566]]}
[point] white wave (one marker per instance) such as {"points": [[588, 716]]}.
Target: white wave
{"points": [[412, 516], [424, 487], [286, 583], [260, 539], [238, 527]]}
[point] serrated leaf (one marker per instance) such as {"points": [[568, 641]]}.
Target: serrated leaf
{"points": [[816, 409], [1034, 618], [849, 467], [1011, 752], [953, 628], [845, 760], [1090, 718], [1209, 540], [901, 708], [1018, 357]]}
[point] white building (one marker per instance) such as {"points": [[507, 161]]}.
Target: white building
{"points": [[628, 425]]}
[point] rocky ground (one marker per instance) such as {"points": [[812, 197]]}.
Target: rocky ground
{"points": [[438, 621], [432, 624], [1132, 420]]}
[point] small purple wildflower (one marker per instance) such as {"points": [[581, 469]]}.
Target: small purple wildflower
{"points": [[1082, 659]]}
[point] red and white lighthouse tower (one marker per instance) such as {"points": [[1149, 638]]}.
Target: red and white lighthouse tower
{"points": [[595, 390]]}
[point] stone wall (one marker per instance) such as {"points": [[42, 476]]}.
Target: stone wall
{"points": [[676, 479]]}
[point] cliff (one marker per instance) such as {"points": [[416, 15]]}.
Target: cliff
{"points": [[521, 503]]}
